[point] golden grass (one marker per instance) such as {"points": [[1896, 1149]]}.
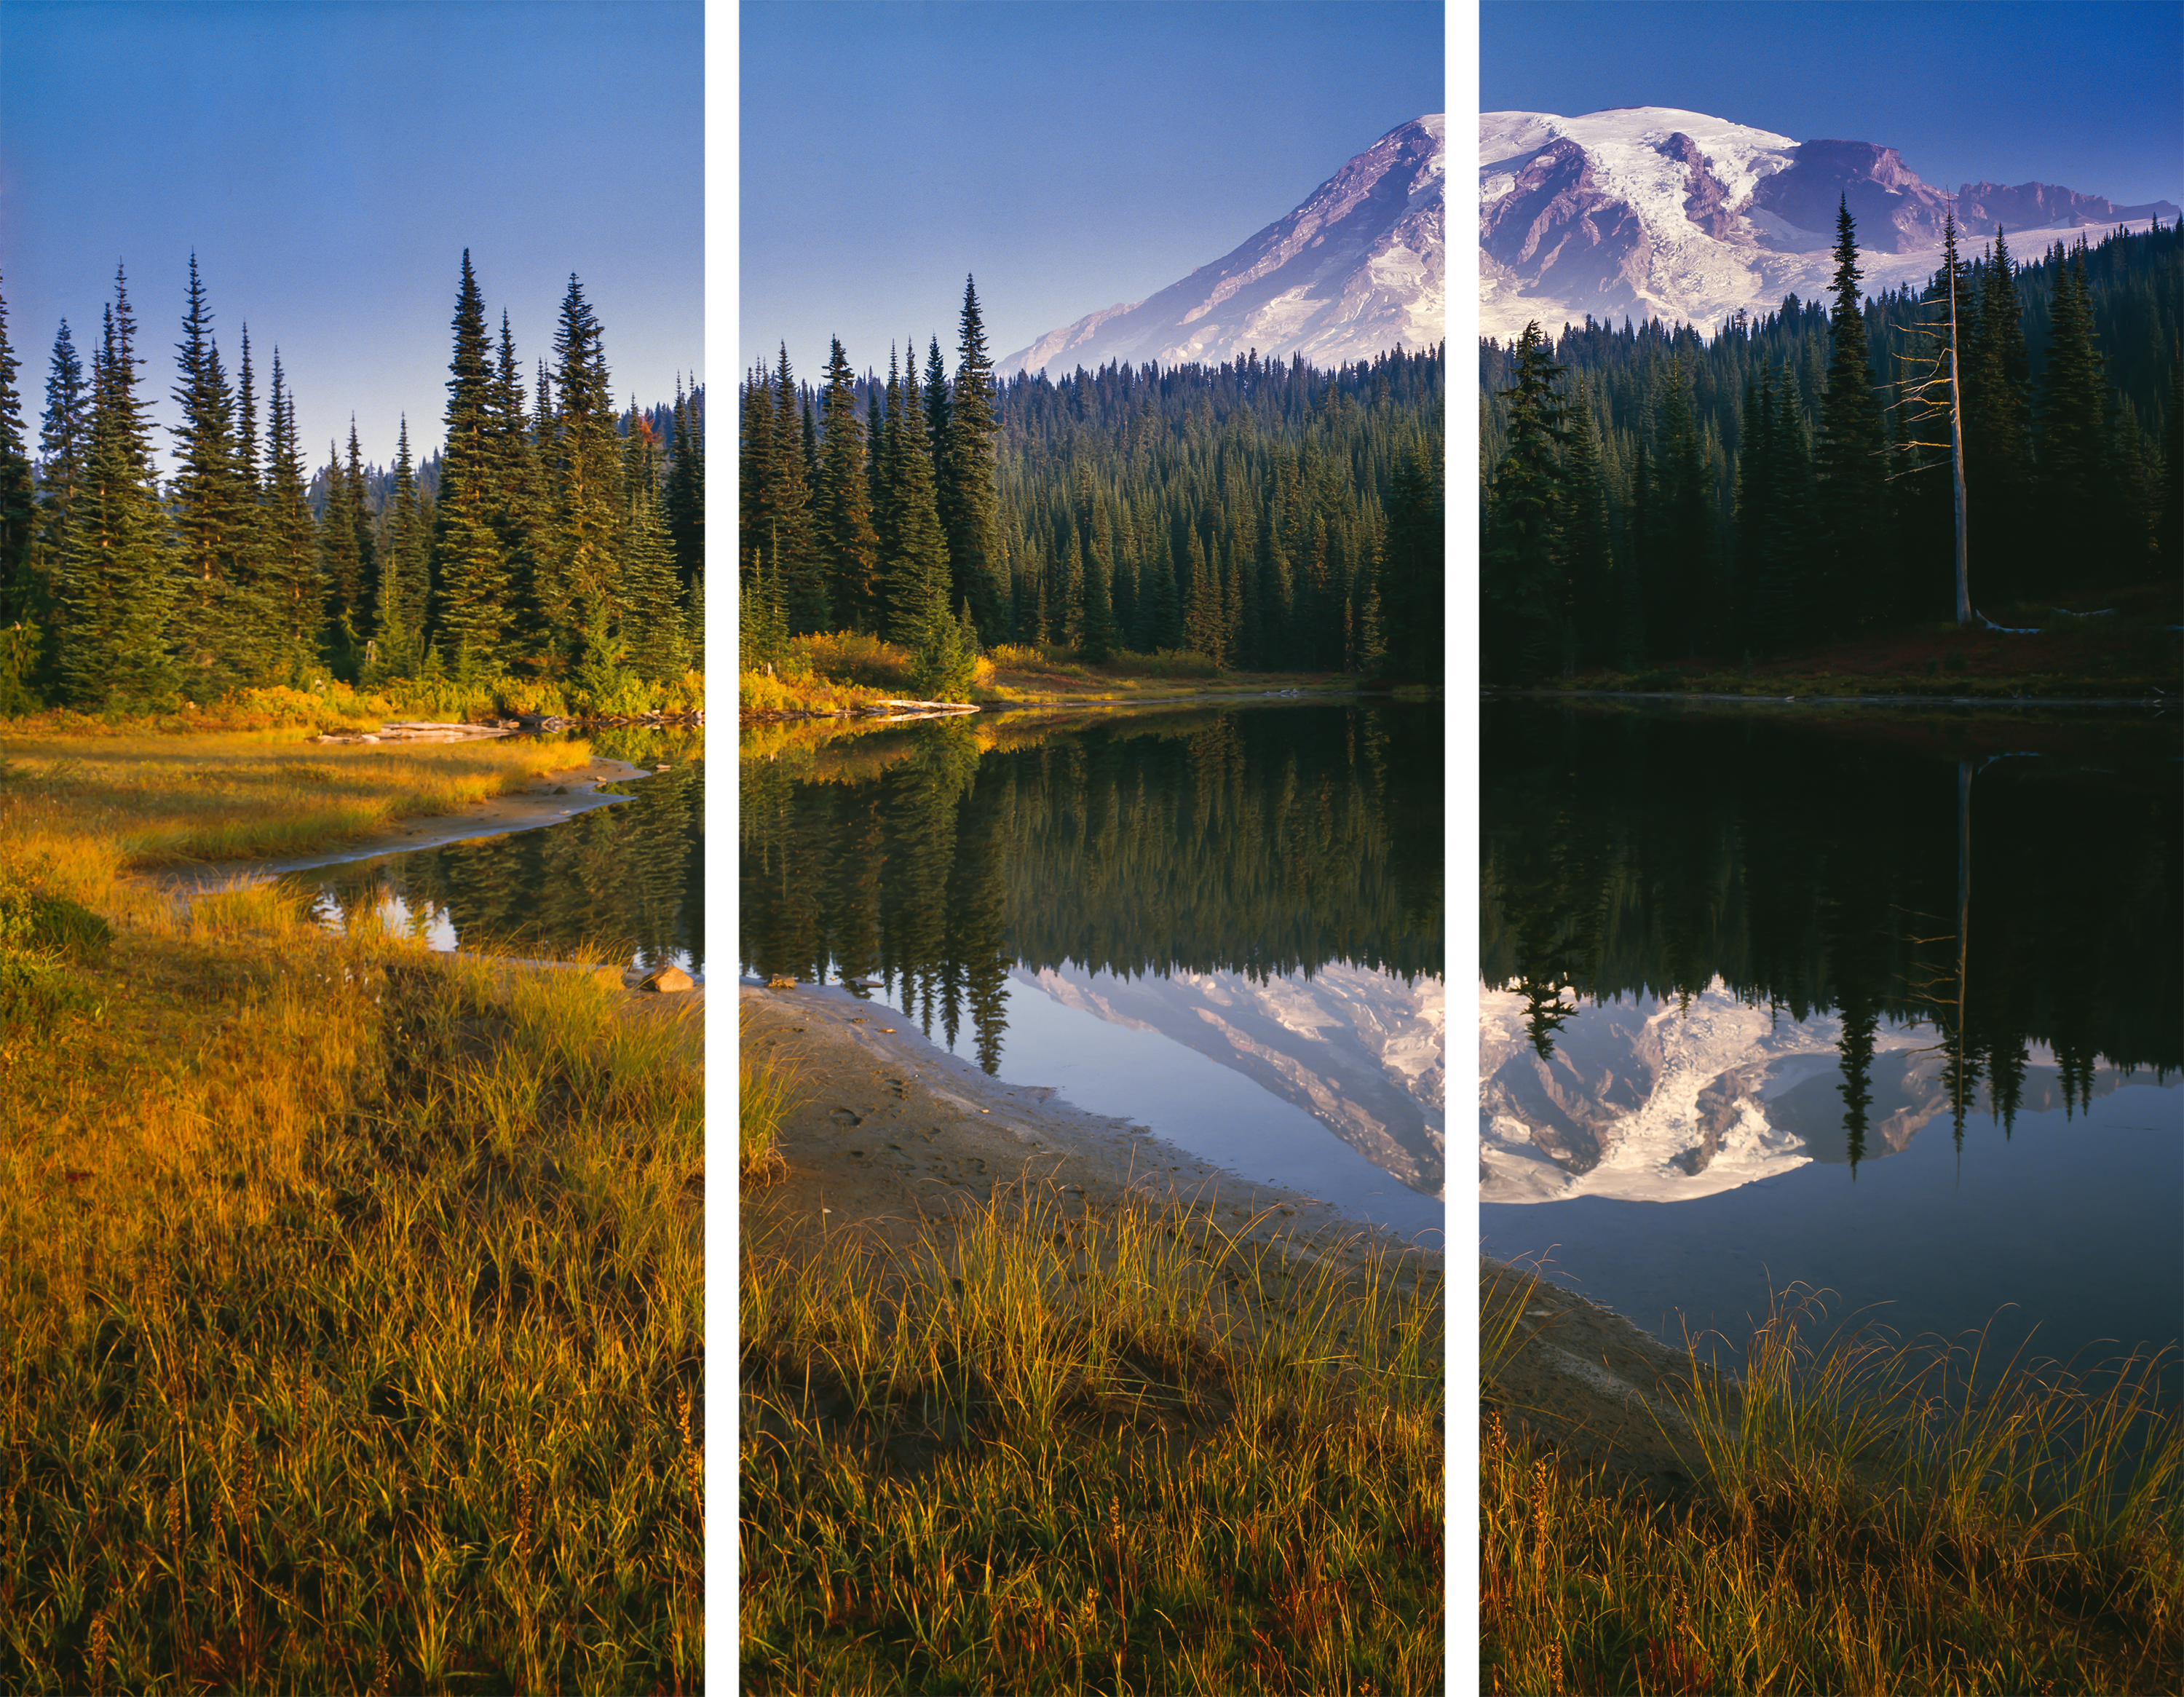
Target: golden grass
{"points": [[1873, 1517], [353, 1295], [766, 1091], [90, 807], [1121, 1452]]}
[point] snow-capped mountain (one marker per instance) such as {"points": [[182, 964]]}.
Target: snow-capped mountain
{"points": [[1360, 268], [1650, 1100], [1653, 211]]}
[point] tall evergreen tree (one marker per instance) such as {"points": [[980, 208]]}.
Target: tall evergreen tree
{"points": [[585, 473], [914, 575], [18, 504], [686, 488], [399, 612], [469, 588], [848, 544], [291, 575], [788, 519], [523, 516], [115, 586], [216, 616], [64, 446], [1522, 574], [1588, 618], [970, 504], [1854, 539], [349, 617], [652, 615], [2077, 479]]}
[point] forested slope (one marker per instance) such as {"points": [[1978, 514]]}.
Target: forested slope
{"points": [[1651, 493], [1265, 514]]}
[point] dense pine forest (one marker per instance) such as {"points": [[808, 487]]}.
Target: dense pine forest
{"points": [[1261, 513], [552, 556], [1652, 494]]}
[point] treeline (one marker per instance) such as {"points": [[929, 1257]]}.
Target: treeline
{"points": [[555, 543], [1260, 512], [1651, 494]]}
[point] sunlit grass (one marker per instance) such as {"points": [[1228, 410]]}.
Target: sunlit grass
{"points": [[765, 1091], [1873, 1516], [1056, 1452], [91, 807], [353, 1294]]}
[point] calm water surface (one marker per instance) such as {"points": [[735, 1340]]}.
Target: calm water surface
{"points": [[1224, 924], [628, 878], [1886, 1004]]}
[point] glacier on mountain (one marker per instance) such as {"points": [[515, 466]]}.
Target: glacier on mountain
{"points": [[1653, 211], [1358, 269]]}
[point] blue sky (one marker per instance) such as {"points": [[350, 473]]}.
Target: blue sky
{"points": [[1070, 156], [2086, 95], [328, 163]]}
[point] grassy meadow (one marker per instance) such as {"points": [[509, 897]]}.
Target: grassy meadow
{"points": [[1117, 1451], [354, 1296], [1871, 1516]]}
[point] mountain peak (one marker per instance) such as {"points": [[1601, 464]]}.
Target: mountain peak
{"points": [[1653, 211], [1359, 268]]}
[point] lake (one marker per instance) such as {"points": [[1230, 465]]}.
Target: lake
{"points": [[1224, 923], [1886, 1003], [628, 879]]}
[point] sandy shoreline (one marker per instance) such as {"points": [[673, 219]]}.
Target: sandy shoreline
{"points": [[890, 1131]]}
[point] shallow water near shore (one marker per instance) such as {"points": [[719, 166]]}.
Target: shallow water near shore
{"points": [[628, 879]]}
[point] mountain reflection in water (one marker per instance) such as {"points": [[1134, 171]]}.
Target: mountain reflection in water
{"points": [[1264, 885]]}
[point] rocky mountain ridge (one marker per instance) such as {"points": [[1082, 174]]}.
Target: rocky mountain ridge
{"points": [[1359, 268], [1655, 211]]}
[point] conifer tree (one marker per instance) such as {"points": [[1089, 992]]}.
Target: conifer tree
{"points": [[1853, 536], [1101, 637], [914, 576], [468, 590], [1205, 630], [1590, 619], [788, 519], [1521, 555], [215, 617], [1997, 408], [686, 488], [754, 456], [115, 586], [64, 445], [522, 515], [970, 503], [348, 617], [18, 505], [291, 575], [2170, 522], [848, 542], [399, 612], [652, 616], [937, 411], [2077, 479], [585, 476]]}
